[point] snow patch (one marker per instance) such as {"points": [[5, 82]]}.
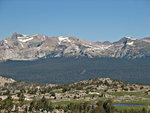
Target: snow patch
{"points": [[5, 41], [102, 47], [21, 37], [130, 38], [44, 38], [130, 43], [63, 39], [24, 35], [24, 39], [95, 48], [106, 47]]}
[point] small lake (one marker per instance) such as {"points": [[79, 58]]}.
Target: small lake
{"points": [[127, 104]]}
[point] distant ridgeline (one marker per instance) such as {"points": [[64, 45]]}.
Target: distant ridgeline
{"points": [[32, 47], [66, 70]]}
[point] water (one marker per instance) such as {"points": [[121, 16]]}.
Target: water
{"points": [[127, 104]]}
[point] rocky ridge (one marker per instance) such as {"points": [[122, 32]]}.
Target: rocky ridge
{"points": [[31, 47], [4, 80]]}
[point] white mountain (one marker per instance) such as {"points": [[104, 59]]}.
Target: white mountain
{"points": [[31, 47]]}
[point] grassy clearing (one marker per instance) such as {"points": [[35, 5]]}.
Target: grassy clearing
{"points": [[129, 108], [144, 104], [127, 93]]}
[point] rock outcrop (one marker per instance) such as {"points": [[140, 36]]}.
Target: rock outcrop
{"points": [[4, 80]]}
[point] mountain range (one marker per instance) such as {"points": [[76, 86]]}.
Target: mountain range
{"points": [[65, 59], [31, 47]]}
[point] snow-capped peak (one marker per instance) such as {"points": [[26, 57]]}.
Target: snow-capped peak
{"points": [[129, 38], [24, 38], [63, 39]]}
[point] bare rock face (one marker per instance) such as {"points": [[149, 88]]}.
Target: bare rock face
{"points": [[4, 80], [31, 47]]}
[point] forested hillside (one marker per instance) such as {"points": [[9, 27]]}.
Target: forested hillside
{"points": [[67, 70]]}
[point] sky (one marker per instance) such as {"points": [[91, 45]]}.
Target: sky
{"points": [[92, 20]]}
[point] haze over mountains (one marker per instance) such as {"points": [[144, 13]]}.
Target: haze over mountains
{"points": [[31, 47], [65, 59]]}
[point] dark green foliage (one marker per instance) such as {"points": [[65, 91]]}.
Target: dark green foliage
{"points": [[101, 107], [41, 105], [79, 108], [52, 93], [7, 104], [144, 110], [6, 93], [21, 99], [106, 83], [131, 88], [108, 106], [67, 70], [32, 91], [26, 109], [32, 105], [65, 89]]}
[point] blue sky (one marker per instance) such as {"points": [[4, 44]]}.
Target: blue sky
{"points": [[93, 20]]}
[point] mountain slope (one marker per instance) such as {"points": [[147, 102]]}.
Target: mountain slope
{"points": [[68, 70], [31, 47]]}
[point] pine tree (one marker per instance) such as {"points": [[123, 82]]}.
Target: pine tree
{"points": [[21, 99], [8, 104]]}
